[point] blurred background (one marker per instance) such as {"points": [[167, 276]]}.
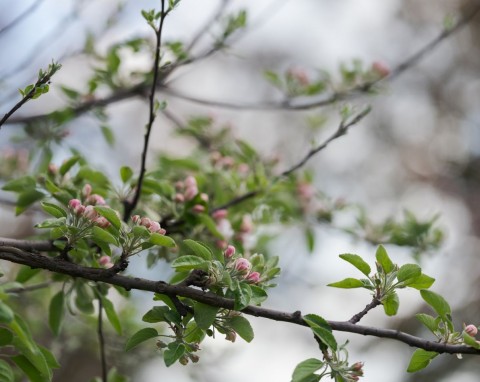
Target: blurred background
{"points": [[418, 150]]}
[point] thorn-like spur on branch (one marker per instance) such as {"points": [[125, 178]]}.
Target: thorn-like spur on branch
{"points": [[140, 89], [18, 256]]}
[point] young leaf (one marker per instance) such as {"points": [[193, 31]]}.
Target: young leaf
{"points": [[437, 302], [408, 271], [102, 235], [126, 173], [384, 260], [112, 315], [174, 351], [110, 215], [141, 336], [357, 262], [421, 282], [347, 283], [243, 295], [470, 341], [6, 373], [189, 262], [26, 199], [68, 164], [204, 315], [56, 312], [162, 240], [52, 223], [29, 369], [199, 249], [156, 314], [6, 314], [305, 369], [322, 330], [420, 360], [428, 321], [54, 210], [391, 304], [20, 184], [242, 326], [6, 337]]}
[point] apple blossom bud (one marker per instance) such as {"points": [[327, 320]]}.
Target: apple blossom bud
{"points": [[247, 224], [229, 252], [227, 161], [220, 214], [221, 244], [87, 190], [243, 168], [179, 186], [179, 198], [52, 169], [198, 208], [145, 222], [253, 277], [471, 330], [242, 265], [183, 360], [204, 197], [73, 203], [102, 222], [154, 226], [357, 366], [136, 219], [190, 192], [194, 358], [381, 69], [79, 210], [161, 344], [105, 261], [190, 181], [90, 213], [96, 200], [162, 231], [231, 336]]}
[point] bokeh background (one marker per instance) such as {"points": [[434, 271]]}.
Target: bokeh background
{"points": [[419, 150]]}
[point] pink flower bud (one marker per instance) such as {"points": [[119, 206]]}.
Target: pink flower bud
{"points": [[243, 168], [198, 208], [96, 200], [190, 181], [101, 222], [231, 336], [229, 252], [204, 197], [179, 198], [87, 190], [221, 244], [220, 214], [191, 192], [145, 222], [179, 186], [162, 231], [253, 277], [52, 169], [79, 210], [227, 162], [247, 224], [90, 213], [215, 157], [154, 226], [299, 75], [357, 366], [105, 261], [381, 69], [136, 219], [471, 330], [242, 265], [73, 203]]}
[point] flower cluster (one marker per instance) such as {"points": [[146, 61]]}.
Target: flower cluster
{"points": [[240, 266], [354, 372], [227, 162], [151, 225], [88, 213], [380, 69], [187, 190]]}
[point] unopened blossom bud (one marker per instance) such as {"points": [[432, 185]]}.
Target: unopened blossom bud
{"points": [[242, 265], [247, 224], [161, 344], [102, 222], [204, 197], [179, 185], [221, 244], [194, 358], [73, 203], [52, 169], [220, 214], [299, 75], [190, 192], [96, 200], [162, 231], [381, 69], [105, 261], [253, 277], [227, 161], [231, 336], [145, 222], [357, 366], [179, 198], [136, 219], [243, 168], [229, 252], [190, 181], [87, 190], [90, 212], [79, 210], [154, 226], [198, 208], [471, 330], [183, 360]]}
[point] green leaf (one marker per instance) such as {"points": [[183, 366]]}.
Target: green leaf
{"points": [[112, 315], [162, 240], [49, 357], [68, 164], [310, 238], [243, 295], [52, 223], [420, 360], [84, 297], [126, 173], [199, 249], [56, 312], [141, 336], [204, 315], [20, 184], [51, 187], [156, 314], [305, 369], [421, 282], [391, 304], [470, 341], [6, 314], [54, 210], [6, 337], [427, 320], [273, 78], [357, 262], [321, 329], [110, 215], [210, 224], [6, 373], [384, 260], [26, 199], [29, 369], [189, 262], [437, 302], [242, 326], [102, 235], [408, 271], [347, 283], [173, 352], [26, 273]]}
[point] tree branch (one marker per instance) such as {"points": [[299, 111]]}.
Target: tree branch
{"points": [[130, 206], [57, 265], [21, 16], [101, 339]]}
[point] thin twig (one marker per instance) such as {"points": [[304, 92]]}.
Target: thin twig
{"points": [[101, 339], [268, 105], [29, 288], [22, 16], [103, 275], [357, 317], [130, 206]]}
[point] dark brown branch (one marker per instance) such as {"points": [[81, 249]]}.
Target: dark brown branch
{"points": [[290, 105], [130, 206], [29, 288], [357, 317], [29, 245], [22, 16], [103, 275]]}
